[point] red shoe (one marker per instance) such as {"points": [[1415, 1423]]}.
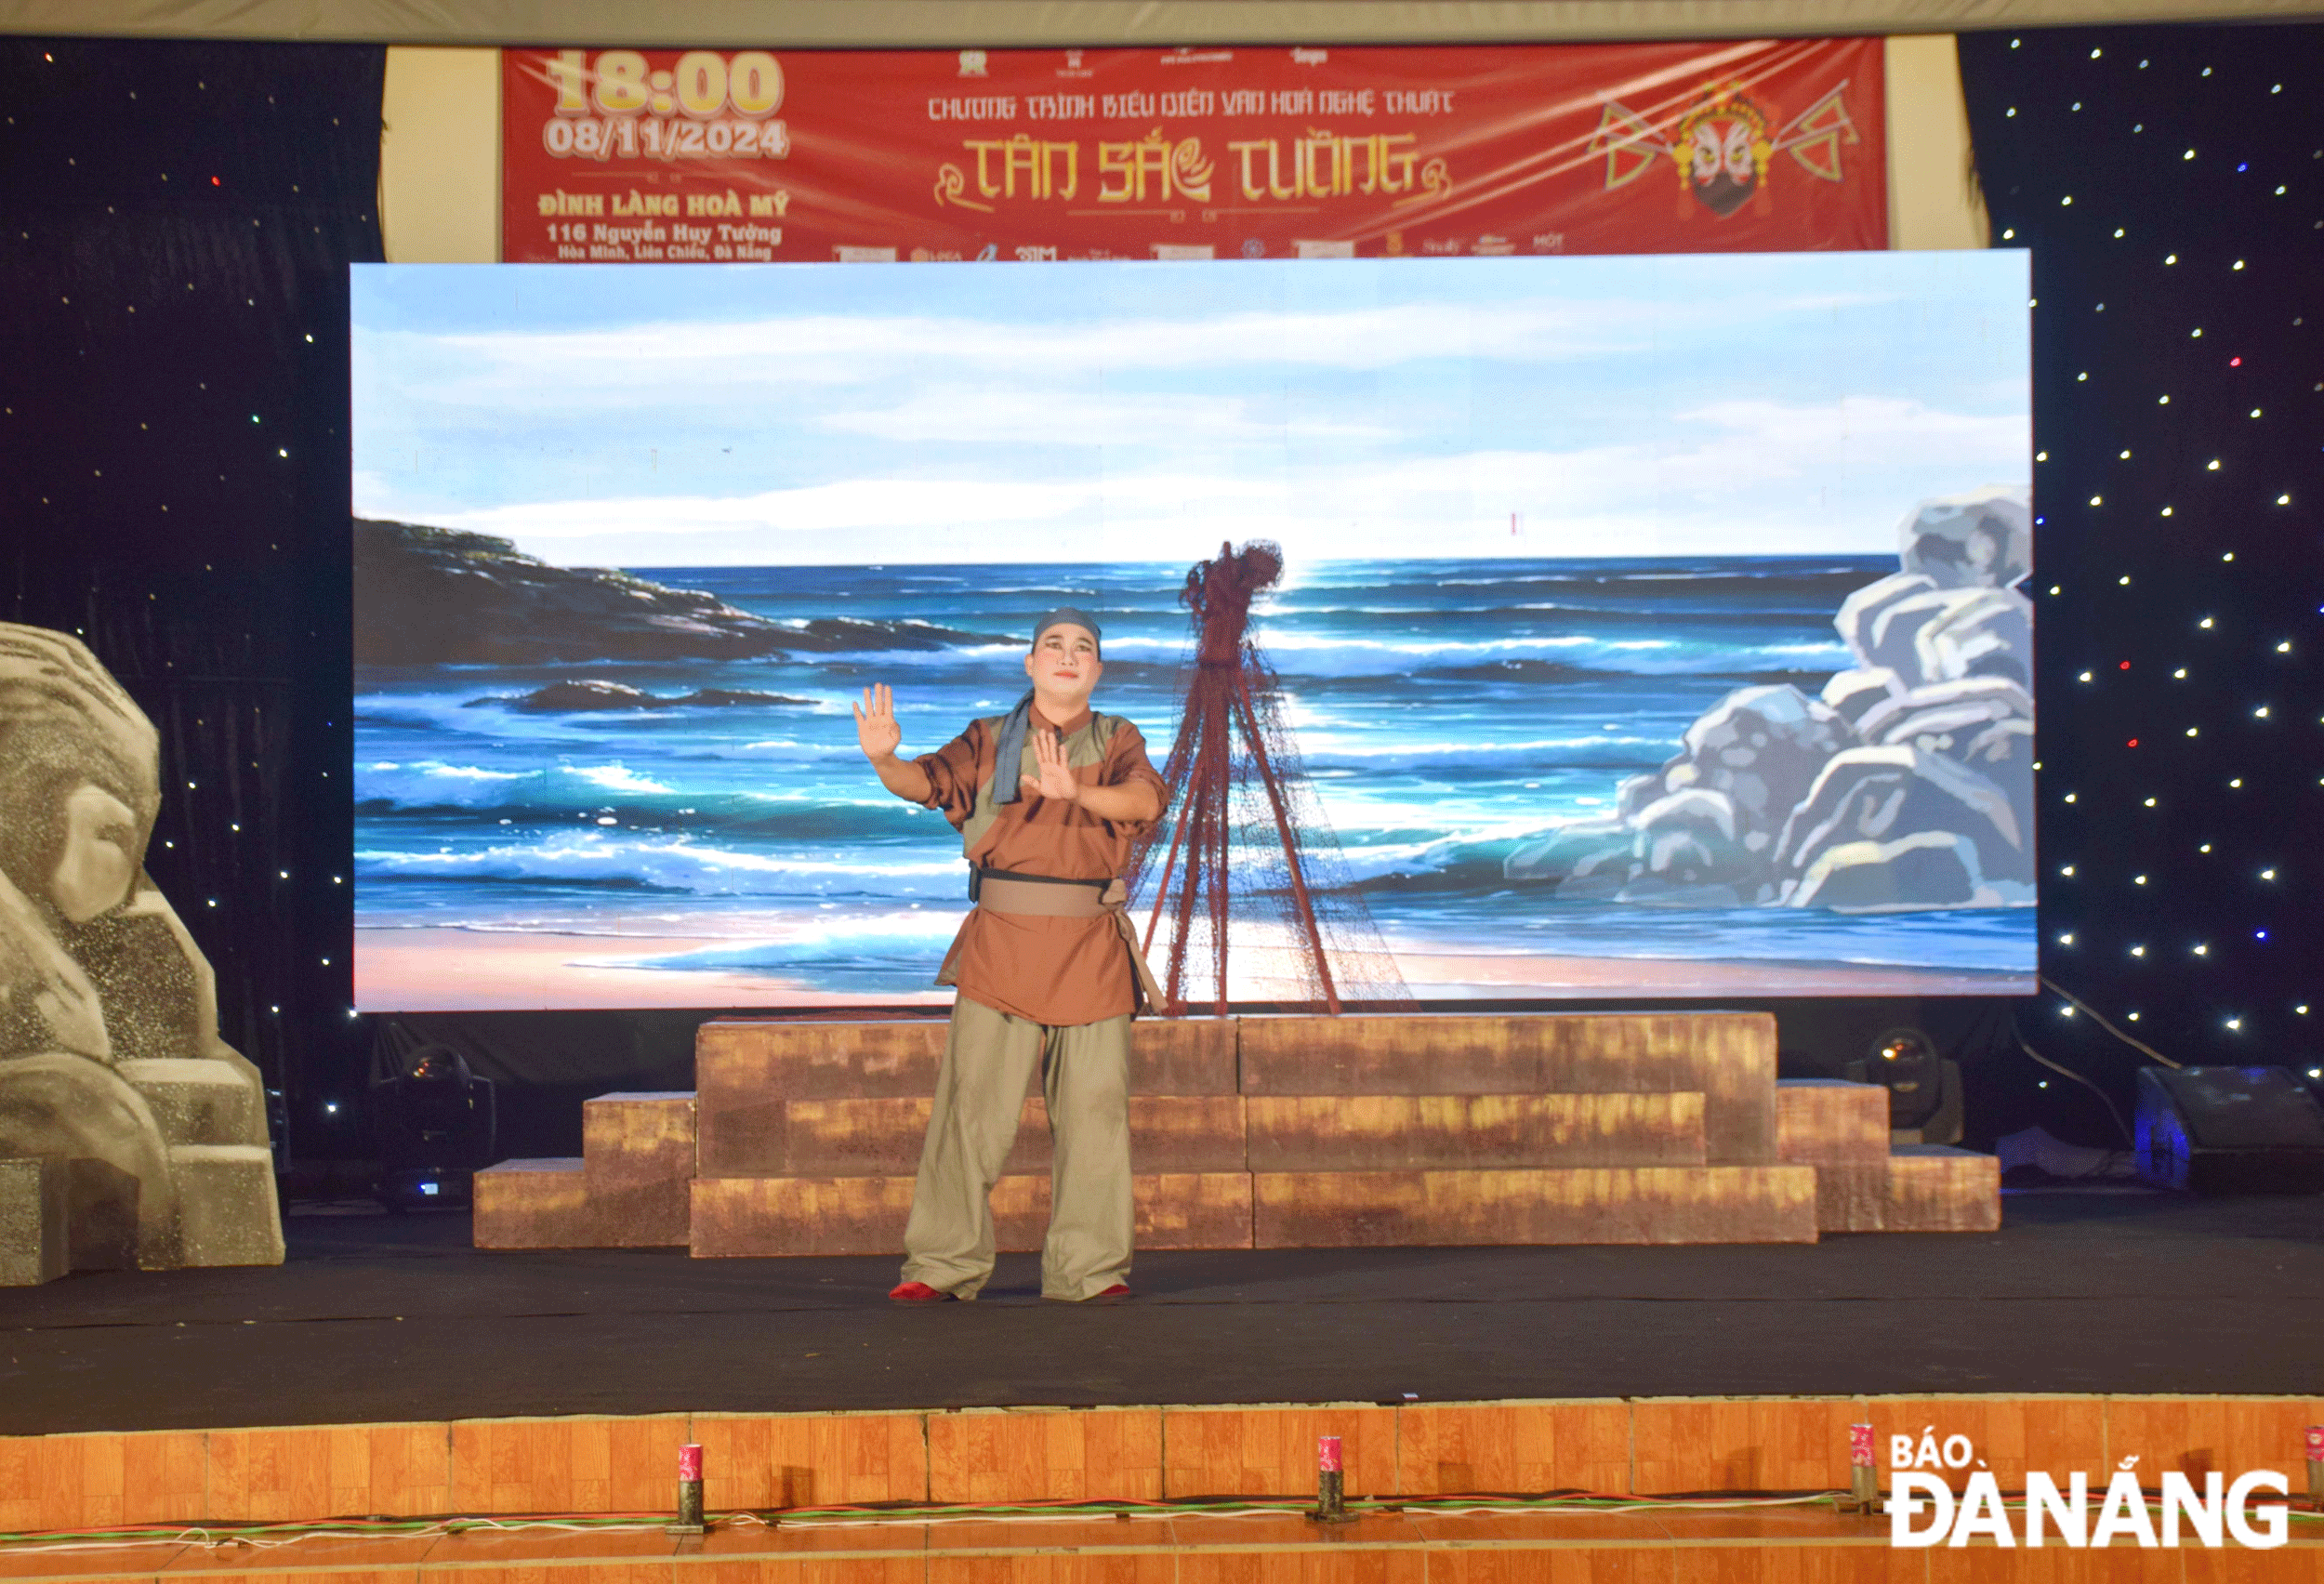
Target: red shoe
{"points": [[919, 1292], [1117, 1293]]}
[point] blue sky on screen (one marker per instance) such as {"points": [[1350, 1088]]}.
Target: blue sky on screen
{"points": [[789, 414]]}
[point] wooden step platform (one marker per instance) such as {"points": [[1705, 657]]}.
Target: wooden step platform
{"points": [[1728, 1058], [1652, 1204], [1863, 1183], [1273, 1132], [881, 1137], [866, 1215], [1387, 1133]]}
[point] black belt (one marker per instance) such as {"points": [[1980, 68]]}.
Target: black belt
{"points": [[977, 872]]}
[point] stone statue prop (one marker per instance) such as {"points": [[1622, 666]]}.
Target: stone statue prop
{"points": [[128, 1129], [1907, 784]]}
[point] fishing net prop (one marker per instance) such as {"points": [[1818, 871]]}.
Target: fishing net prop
{"points": [[1242, 889]]}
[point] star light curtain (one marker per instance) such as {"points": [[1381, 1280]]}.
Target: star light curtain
{"points": [[2170, 186], [176, 222]]}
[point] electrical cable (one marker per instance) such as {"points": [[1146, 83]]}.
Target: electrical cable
{"points": [[1461, 1506], [2138, 1045], [275, 1537], [2103, 1022], [264, 1537], [2104, 1098]]}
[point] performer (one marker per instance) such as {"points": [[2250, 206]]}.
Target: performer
{"points": [[1048, 800]]}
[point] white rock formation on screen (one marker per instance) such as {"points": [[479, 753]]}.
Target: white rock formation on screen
{"points": [[1907, 783]]}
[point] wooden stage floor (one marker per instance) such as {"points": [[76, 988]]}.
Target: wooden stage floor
{"points": [[1776, 1547], [380, 1319]]}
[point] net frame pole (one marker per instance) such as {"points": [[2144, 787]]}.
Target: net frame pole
{"points": [[1224, 678], [1249, 720], [1197, 803], [1170, 864], [1221, 907]]}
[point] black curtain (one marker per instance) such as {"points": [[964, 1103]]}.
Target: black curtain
{"points": [[2170, 182], [179, 220]]}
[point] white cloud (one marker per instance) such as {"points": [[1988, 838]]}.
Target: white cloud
{"points": [[1885, 424], [728, 361], [848, 345], [964, 414], [1775, 476], [924, 505]]}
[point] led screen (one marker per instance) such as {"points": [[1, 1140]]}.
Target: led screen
{"points": [[1650, 625]]}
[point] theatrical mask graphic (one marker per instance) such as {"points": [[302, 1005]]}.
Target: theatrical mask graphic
{"points": [[1644, 626], [1723, 145], [130, 1133]]}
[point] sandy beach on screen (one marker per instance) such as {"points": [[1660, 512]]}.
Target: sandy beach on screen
{"points": [[450, 970], [1574, 978], [453, 969]]}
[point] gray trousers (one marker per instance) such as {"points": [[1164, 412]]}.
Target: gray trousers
{"points": [[989, 1059]]}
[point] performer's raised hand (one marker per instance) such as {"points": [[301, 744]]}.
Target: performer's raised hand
{"points": [[875, 729], [1057, 778]]}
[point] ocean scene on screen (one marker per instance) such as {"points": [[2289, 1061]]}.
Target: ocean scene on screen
{"points": [[1619, 667], [1449, 714]]}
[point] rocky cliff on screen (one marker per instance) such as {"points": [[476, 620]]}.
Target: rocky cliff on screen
{"points": [[1906, 783], [447, 597]]}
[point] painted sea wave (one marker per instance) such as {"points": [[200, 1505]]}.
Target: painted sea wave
{"points": [[1446, 711]]}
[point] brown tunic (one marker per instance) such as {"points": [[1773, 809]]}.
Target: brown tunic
{"points": [[1058, 971]]}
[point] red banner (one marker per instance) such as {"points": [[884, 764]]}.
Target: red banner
{"points": [[656, 155]]}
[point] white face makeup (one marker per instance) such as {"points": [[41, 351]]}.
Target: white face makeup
{"points": [[1064, 667], [94, 872]]}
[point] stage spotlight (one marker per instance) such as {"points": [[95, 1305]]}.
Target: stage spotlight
{"points": [[1924, 1088], [2230, 1130], [436, 1123]]}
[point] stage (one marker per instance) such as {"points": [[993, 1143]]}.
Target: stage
{"points": [[379, 1318]]}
